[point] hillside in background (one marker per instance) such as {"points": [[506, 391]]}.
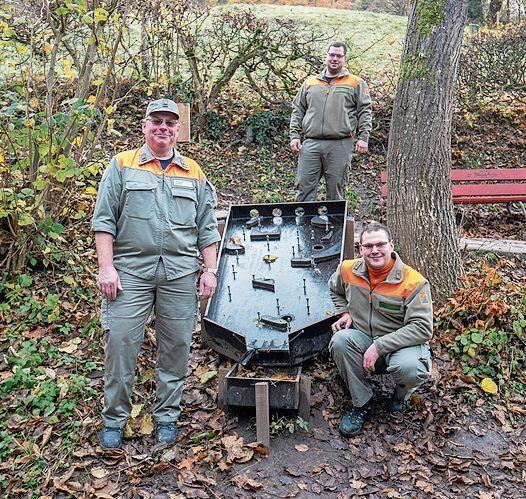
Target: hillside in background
{"points": [[375, 40]]}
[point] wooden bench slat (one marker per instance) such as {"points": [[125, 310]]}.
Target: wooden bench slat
{"points": [[497, 192], [480, 175], [488, 190]]}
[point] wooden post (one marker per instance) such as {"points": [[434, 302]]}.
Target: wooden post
{"points": [[262, 414], [222, 399], [348, 244], [304, 398]]}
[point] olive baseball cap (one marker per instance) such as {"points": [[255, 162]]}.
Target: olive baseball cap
{"points": [[165, 105]]}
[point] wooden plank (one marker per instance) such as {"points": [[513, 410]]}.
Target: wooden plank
{"points": [[348, 243], [489, 174], [221, 388], [262, 414], [304, 402], [184, 120], [490, 190], [494, 245], [480, 175]]}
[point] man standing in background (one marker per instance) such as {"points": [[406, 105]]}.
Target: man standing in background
{"points": [[330, 111]]}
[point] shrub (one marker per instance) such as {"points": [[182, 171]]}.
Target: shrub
{"points": [[493, 65]]}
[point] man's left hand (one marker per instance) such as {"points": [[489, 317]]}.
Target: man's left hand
{"points": [[207, 285], [369, 358], [361, 146]]}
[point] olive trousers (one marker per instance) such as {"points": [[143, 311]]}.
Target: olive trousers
{"points": [[410, 366], [124, 319], [323, 158]]}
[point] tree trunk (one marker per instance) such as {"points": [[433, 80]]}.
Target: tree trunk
{"points": [[420, 208]]}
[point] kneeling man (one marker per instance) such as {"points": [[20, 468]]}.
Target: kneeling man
{"points": [[386, 320]]}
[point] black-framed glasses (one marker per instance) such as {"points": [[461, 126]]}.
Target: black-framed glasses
{"points": [[370, 247], [159, 121]]}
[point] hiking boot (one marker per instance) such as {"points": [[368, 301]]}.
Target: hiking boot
{"points": [[166, 432], [397, 405], [354, 420], [110, 437]]}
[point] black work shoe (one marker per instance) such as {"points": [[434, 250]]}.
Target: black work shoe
{"points": [[166, 432], [353, 421], [397, 405], [110, 437]]}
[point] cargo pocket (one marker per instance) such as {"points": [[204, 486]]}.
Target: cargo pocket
{"points": [[425, 358], [140, 199], [183, 209], [105, 314]]}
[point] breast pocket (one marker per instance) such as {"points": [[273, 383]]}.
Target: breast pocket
{"points": [[183, 209], [389, 306], [140, 199]]}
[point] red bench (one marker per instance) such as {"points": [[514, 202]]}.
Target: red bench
{"points": [[484, 186]]}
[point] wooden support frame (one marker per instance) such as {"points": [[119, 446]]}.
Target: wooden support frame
{"points": [[262, 414]]}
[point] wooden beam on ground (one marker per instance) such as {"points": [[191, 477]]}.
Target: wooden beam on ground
{"points": [[262, 414], [510, 246]]}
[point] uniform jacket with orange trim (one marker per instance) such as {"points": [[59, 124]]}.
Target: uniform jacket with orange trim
{"points": [[397, 313], [153, 213], [332, 111]]}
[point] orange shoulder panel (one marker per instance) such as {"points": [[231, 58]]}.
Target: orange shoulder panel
{"points": [[412, 279], [312, 81], [128, 158], [349, 277], [349, 79], [194, 170]]}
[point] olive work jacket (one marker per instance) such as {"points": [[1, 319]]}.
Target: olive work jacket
{"points": [[397, 313], [153, 213], [337, 110]]}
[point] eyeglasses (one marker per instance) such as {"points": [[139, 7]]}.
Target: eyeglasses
{"points": [[159, 121], [339, 56], [370, 247]]}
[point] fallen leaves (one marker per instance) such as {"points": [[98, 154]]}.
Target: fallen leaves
{"points": [[301, 447], [489, 386], [244, 482]]}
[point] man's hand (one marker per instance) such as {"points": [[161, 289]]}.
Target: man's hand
{"points": [[207, 285], [369, 358], [344, 322], [109, 281], [295, 145], [361, 146]]}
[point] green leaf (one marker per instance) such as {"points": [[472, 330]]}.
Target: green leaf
{"points": [[25, 219], [206, 377], [477, 338], [472, 352]]}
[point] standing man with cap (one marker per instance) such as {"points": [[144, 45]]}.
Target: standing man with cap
{"points": [[330, 111], [154, 216]]}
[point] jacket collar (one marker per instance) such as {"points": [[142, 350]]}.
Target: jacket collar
{"points": [[146, 156], [343, 72], [396, 275]]}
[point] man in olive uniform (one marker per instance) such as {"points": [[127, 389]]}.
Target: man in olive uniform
{"points": [[331, 111], [153, 218], [386, 320]]}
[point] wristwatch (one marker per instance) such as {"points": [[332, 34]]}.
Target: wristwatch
{"points": [[212, 271]]}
